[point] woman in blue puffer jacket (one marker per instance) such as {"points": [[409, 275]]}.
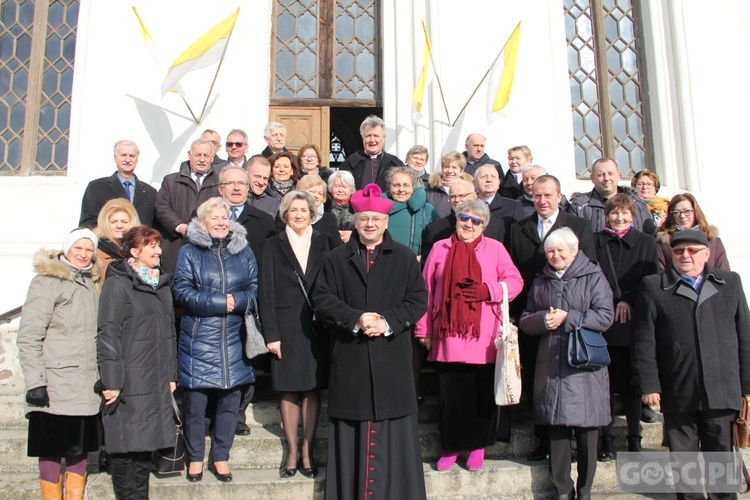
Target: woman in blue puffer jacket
{"points": [[215, 281]]}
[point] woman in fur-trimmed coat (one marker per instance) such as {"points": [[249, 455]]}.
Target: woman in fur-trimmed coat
{"points": [[57, 350], [452, 169]]}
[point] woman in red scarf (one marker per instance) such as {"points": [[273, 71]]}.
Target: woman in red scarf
{"points": [[463, 275]]}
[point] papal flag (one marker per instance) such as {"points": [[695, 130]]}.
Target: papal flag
{"points": [[207, 50], [502, 74], [418, 95], [151, 45]]}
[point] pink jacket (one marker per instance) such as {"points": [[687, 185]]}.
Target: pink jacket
{"points": [[496, 267]]}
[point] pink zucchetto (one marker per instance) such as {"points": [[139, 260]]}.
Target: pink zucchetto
{"points": [[369, 200]]}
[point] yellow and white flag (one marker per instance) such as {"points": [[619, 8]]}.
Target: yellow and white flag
{"points": [[418, 95], [207, 50], [502, 74], [151, 45]]}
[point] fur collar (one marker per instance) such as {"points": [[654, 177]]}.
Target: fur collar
{"points": [[200, 237], [46, 263], [436, 180]]}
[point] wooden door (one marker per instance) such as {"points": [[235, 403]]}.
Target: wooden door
{"points": [[305, 125]]}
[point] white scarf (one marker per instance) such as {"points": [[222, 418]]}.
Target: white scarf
{"points": [[300, 245]]}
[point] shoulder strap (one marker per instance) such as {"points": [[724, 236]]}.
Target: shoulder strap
{"points": [[304, 292]]}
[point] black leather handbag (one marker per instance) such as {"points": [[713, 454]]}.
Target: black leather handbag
{"points": [[170, 461], [587, 349]]}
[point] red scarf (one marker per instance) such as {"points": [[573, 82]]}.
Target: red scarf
{"points": [[458, 318]]}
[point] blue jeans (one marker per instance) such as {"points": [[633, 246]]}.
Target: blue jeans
{"points": [[194, 411]]}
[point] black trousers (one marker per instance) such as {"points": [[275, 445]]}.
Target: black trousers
{"points": [[559, 458], [707, 430], [130, 474]]}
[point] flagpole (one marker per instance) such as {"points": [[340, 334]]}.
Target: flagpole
{"points": [[480, 83], [191, 111], [437, 77]]}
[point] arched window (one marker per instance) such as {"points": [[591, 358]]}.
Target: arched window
{"points": [[36, 79], [607, 84]]}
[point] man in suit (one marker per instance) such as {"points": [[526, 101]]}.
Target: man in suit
{"points": [[121, 184], [691, 350], [236, 147], [275, 136], [476, 157], [181, 193], [459, 192], [526, 248], [234, 185], [371, 164], [487, 182], [259, 171]]}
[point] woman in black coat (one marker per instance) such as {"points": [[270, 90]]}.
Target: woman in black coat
{"points": [[292, 260], [322, 221], [137, 362], [626, 256]]}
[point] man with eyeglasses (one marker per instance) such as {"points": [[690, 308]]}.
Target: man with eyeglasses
{"points": [[605, 175], [275, 136], [180, 195], [459, 192], [236, 147], [691, 348], [234, 186], [122, 184], [487, 182], [526, 248], [371, 293]]}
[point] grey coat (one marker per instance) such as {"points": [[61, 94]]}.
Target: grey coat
{"points": [[564, 395], [57, 337]]}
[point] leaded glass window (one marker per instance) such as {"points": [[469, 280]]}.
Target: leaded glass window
{"points": [[325, 49], [36, 79], [607, 84]]}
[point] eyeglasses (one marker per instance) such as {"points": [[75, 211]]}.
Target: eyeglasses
{"points": [[235, 144], [474, 220], [377, 219], [645, 184], [458, 196], [401, 186], [690, 250], [682, 213], [309, 157], [235, 183]]}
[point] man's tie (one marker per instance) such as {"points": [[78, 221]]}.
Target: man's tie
{"points": [[234, 213], [199, 180], [546, 224], [129, 189]]}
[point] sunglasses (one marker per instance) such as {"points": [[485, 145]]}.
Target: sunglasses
{"points": [[235, 144], [474, 220], [690, 250]]}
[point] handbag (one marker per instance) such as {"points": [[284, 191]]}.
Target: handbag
{"points": [[170, 461], [255, 343], [317, 327], [742, 427], [508, 359], [587, 349]]}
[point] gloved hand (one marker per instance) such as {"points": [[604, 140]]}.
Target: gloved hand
{"points": [[38, 396], [476, 292]]}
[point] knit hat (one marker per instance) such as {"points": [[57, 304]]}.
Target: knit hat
{"points": [[369, 200], [689, 237], [78, 234]]}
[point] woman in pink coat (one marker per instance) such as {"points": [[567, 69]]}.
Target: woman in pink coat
{"points": [[463, 275]]}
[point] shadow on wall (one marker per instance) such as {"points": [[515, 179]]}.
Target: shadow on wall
{"points": [[172, 150]]}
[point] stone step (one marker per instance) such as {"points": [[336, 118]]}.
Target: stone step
{"points": [[265, 448], [499, 479]]}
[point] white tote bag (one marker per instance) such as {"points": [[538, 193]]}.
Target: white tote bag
{"points": [[508, 361]]}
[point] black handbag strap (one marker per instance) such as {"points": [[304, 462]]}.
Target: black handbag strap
{"points": [[614, 271], [176, 409], [304, 292]]}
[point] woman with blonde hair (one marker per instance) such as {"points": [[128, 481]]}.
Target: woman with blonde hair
{"points": [[452, 167], [115, 218]]}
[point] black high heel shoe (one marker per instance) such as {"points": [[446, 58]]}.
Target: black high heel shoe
{"points": [[193, 478], [309, 472], [224, 478], [286, 473]]}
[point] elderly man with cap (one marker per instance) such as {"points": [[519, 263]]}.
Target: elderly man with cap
{"points": [[692, 347], [370, 293]]}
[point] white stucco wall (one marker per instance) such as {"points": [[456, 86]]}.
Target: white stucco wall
{"points": [[697, 84]]}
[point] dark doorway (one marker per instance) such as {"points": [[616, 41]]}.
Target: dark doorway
{"points": [[345, 138]]}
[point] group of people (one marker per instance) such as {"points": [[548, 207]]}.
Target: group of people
{"points": [[359, 274]]}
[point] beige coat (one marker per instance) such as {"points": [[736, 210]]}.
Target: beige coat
{"points": [[57, 336]]}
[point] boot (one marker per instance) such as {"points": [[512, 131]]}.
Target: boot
{"points": [[51, 491], [607, 450], [634, 443], [74, 486]]}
